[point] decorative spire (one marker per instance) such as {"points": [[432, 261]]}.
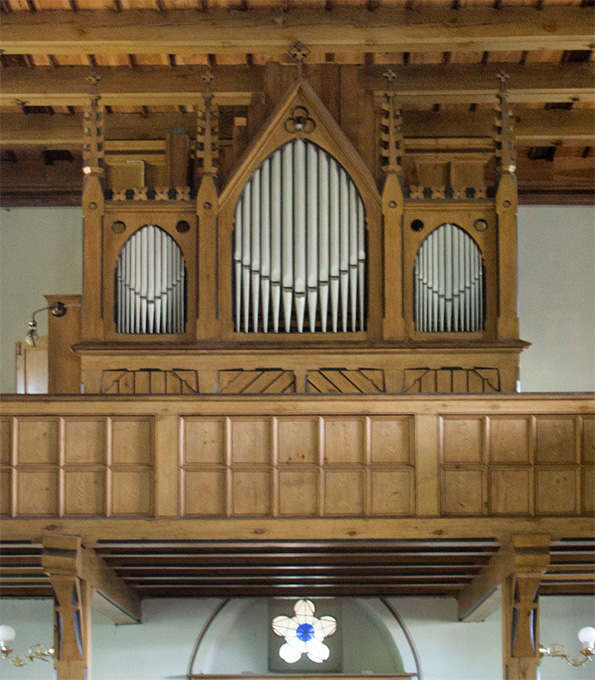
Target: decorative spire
{"points": [[207, 131], [299, 53], [504, 138], [392, 147], [93, 149]]}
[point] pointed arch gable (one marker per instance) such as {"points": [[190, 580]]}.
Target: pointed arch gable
{"points": [[326, 133]]}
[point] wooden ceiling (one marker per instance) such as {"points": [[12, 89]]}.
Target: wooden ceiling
{"points": [[151, 53], [281, 568]]}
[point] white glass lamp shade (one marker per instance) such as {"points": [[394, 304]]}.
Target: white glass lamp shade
{"points": [[587, 636], [7, 634]]}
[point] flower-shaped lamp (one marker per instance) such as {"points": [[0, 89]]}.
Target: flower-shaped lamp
{"points": [[304, 633]]}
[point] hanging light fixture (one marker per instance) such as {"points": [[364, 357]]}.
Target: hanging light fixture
{"points": [[587, 637], [57, 309], [36, 652]]}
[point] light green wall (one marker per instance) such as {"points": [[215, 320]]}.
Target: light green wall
{"points": [[40, 252]]}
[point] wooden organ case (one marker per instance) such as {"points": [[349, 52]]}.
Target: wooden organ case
{"points": [[296, 273]]}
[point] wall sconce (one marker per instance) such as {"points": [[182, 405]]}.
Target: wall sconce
{"points": [[587, 637], [36, 652], [57, 309]]}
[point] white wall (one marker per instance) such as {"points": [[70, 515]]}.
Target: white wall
{"points": [[40, 252], [161, 647]]}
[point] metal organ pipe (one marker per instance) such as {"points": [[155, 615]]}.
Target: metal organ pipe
{"points": [[299, 245], [150, 284], [448, 282]]}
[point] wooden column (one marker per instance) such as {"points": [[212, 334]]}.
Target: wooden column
{"points": [[93, 210], [520, 606], [506, 210], [392, 214], [64, 366], [207, 204]]}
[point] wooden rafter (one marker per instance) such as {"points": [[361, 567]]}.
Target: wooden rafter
{"points": [[343, 29]]}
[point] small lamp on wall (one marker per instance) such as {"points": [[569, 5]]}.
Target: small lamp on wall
{"points": [[586, 636], [36, 652], [57, 309]]}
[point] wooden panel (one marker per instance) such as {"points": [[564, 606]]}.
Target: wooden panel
{"points": [[204, 440], [5, 440], [510, 491], [343, 441], [556, 440], [38, 440], [85, 492], [462, 440], [258, 381], [250, 440], [345, 381], [298, 493], [5, 496], [85, 440], [204, 492], [588, 491], [132, 492], [297, 440], [132, 440], [509, 439], [37, 492], [588, 439], [556, 491], [391, 440], [463, 492], [251, 492], [392, 492], [344, 492]]}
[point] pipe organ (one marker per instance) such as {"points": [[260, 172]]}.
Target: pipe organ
{"points": [[322, 259]]}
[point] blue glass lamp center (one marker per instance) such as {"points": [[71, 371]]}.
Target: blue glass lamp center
{"points": [[305, 632]]}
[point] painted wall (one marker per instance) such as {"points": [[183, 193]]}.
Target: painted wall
{"points": [[40, 252], [161, 648]]}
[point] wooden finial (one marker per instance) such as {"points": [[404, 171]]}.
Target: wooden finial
{"points": [[391, 78], [392, 136], [207, 79], [504, 137], [93, 80], [299, 53], [207, 141]]}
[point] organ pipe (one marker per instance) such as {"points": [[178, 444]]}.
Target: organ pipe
{"points": [[299, 245]]}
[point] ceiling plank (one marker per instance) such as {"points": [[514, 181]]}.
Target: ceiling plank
{"points": [[233, 85], [533, 127], [345, 29]]}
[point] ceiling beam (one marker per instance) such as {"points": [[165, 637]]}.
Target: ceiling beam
{"points": [[234, 85], [537, 127], [221, 31]]}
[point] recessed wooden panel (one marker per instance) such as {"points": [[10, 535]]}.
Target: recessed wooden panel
{"points": [[250, 440], [588, 439], [85, 441], [5, 439], [204, 492], [463, 492], [132, 492], [344, 492], [391, 440], [510, 491], [38, 440], [84, 492], [204, 440], [37, 492], [4, 492], [298, 440], [343, 441], [251, 492], [392, 492], [556, 440], [462, 440], [298, 493], [588, 481], [132, 440], [556, 491], [509, 439]]}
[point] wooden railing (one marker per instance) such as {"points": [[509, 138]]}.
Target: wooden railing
{"points": [[294, 456]]}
